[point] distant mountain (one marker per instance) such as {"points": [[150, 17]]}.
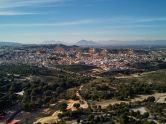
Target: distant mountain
{"points": [[53, 42], [154, 42], [2, 44], [136, 42], [109, 43], [86, 43]]}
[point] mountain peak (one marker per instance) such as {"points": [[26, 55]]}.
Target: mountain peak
{"points": [[86, 43]]}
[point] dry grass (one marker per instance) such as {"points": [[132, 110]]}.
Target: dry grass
{"points": [[160, 97], [50, 119]]}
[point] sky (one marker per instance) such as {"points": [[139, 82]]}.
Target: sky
{"points": [[35, 21]]}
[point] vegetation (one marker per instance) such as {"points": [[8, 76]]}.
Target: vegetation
{"points": [[41, 88], [18, 69], [119, 113], [63, 107], [125, 88], [76, 68], [76, 105]]}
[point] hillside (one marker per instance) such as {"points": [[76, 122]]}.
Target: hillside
{"points": [[9, 44]]}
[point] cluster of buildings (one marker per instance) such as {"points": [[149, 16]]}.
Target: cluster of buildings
{"points": [[102, 58]]}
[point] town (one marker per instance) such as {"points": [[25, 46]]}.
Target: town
{"points": [[103, 58]]}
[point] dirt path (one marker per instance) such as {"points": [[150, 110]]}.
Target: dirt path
{"points": [[83, 103]]}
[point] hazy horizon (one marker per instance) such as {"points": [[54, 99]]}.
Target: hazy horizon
{"points": [[94, 43]]}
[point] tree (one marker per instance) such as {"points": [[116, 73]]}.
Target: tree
{"points": [[150, 99], [123, 119], [145, 115], [63, 106], [76, 105]]}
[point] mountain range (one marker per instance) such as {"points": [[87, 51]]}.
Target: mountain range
{"points": [[89, 43], [3, 43], [122, 43]]}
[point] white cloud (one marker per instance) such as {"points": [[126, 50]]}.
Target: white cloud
{"points": [[132, 20], [13, 13], [152, 19], [69, 23], [114, 22], [9, 7], [6, 4]]}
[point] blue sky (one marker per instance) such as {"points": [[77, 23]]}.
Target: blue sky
{"points": [[34, 21]]}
